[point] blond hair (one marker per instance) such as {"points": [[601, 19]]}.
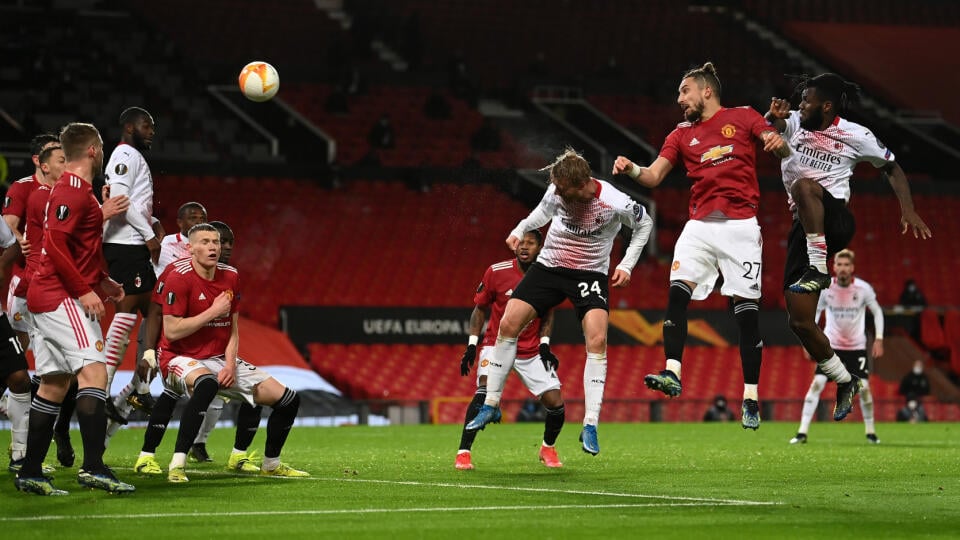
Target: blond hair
{"points": [[846, 253], [570, 166]]}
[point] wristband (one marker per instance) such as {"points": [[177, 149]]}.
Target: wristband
{"points": [[545, 340], [634, 171], [473, 340]]}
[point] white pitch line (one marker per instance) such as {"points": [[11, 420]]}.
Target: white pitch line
{"points": [[549, 490], [709, 500], [175, 515]]}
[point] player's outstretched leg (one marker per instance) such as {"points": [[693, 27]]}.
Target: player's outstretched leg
{"points": [[674, 339], [198, 451], [747, 314]]}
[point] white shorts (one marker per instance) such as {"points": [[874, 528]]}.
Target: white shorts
{"points": [[65, 340], [732, 247], [18, 313], [16, 306], [534, 376], [248, 376]]}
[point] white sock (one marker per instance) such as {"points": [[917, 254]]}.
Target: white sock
{"points": [[146, 454], [236, 451], [834, 369], [811, 401], [674, 366], [141, 386], [866, 407], [270, 463], [750, 391], [179, 459], [18, 411], [209, 420], [118, 335], [817, 251], [594, 381], [504, 355]]}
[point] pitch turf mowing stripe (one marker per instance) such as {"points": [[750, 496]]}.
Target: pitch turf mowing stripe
{"points": [[180, 515]]}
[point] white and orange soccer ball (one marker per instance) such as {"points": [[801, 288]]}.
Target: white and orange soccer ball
{"points": [[259, 81]]}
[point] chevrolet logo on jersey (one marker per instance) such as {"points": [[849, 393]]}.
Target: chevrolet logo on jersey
{"points": [[715, 153]]}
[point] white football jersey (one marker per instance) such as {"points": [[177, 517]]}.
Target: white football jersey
{"points": [[846, 314], [581, 235], [829, 156], [128, 174], [172, 247]]}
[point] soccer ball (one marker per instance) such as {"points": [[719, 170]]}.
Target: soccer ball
{"points": [[259, 81]]}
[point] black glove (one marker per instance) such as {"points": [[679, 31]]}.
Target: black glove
{"points": [[550, 360], [466, 363]]}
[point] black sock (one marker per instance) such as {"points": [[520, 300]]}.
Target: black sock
{"points": [[93, 426], [43, 414], [747, 313], [159, 419], [205, 388], [66, 411], [675, 323], [248, 421], [280, 422], [467, 437], [553, 424]]}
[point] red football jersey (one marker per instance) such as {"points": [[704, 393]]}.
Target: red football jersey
{"points": [[495, 290], [186, 294], [15, 204], [76, 266], [720, 157], [157, 296], [33, 231]]}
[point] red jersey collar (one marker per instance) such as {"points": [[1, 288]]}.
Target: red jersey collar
{"points": [[596, 194]]}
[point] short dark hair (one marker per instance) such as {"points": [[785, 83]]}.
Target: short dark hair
{"points": [[832, 87], [45, 154], [224, 229], [187, 206], [202, 227], [38, 142], [536, 234], [705, 75], [131, 114]]}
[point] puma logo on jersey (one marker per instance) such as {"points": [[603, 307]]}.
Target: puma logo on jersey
{"points": [[202, 297]]}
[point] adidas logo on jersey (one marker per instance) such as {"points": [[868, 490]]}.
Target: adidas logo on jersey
{"points": [[510, 292], [694, 141], [202, 297]]}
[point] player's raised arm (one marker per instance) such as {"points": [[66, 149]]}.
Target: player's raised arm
{"points": [[650, 176], [778, 113]]}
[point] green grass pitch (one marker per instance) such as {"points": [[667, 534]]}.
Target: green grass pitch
{"points": [[650, 480]]}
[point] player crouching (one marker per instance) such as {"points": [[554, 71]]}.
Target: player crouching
{"points": [[198, 353]]}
